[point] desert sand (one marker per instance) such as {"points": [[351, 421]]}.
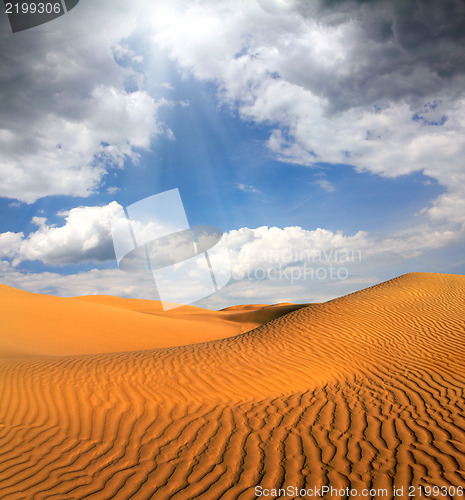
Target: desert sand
{"points": [[45, 325], [109, 398]]}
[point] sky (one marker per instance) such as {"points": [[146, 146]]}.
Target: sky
{"points": [[325, 138]]}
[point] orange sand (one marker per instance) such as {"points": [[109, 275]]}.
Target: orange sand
{"points": [[45, 325], [364, 391]]}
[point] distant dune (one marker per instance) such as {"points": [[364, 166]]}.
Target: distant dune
{"points": [[34, 324], [108, 398]]}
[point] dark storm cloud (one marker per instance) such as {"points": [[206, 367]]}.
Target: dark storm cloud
{"points": [[402, 49], [49, 72]]}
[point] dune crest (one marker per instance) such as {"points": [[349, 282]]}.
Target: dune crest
{"points": [[364, 391]]}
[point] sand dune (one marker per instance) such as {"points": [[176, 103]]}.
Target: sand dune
{"points": [[363, 392], [34, 324]]}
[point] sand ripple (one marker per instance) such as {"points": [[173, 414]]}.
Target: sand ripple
{"points": [[366, 391]]}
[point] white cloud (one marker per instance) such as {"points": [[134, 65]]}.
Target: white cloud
{"points": [[66, 115], [142, 286], [338, 82], [326, 185], [84, 237], [341, 82], [247, 188], [272, 247], [71, 157], [345, 82], [268, 264], [94, 282], [10, 243]]}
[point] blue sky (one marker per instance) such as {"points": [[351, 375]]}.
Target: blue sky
{"points": [[285, 133]]}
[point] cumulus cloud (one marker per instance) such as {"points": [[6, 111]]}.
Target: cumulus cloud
{"points": [[66, 114], [9, 244], [142, 286], [268, 264], [379, 86], [85, 236], [376, 85], [93, 282], [272, 246]]}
